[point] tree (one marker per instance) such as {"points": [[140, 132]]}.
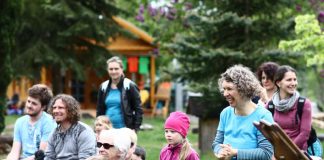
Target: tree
{"points": [[227, 33], [8, 29], [49, 33], [161, 19], [222, 34], [309, 41]]}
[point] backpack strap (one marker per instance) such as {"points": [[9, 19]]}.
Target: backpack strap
{"points": [[271, 107], [300, 107]]}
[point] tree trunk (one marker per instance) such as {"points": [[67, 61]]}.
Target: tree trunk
{"points": [[207, 132], [57, 81]]}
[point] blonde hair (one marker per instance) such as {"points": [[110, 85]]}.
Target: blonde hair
{"points": [[185, 149], [115, 59], [103, 120]]}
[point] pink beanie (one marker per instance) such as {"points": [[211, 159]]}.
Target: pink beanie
{"points": [[179, 122]]}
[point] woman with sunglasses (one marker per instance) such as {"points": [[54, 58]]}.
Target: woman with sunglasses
{"points": [[114, 144]]}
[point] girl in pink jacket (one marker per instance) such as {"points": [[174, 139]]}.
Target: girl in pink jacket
{"points": [[178, 148]]}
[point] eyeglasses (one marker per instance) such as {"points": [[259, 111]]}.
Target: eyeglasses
{"points": [[105, 145]]}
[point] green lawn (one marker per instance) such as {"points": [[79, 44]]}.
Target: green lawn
{"points": [[152, 140]]}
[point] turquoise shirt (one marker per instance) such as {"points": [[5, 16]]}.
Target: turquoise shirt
{"points": [[114, 111], [30, 136], [239, 131]]}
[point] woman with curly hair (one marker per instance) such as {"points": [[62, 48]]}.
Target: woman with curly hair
{"points": [[237, 137], [71, 139]]}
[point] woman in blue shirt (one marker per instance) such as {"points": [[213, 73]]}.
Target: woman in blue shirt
{"points": [[237, 137], [119, 99]]}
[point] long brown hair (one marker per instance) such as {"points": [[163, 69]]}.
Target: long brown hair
{"points": [[72, 107]]}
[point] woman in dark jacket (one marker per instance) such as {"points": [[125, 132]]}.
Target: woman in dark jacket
{"points": [[119, 99]]}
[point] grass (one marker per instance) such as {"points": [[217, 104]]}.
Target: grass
{"points": [[152, 140]]}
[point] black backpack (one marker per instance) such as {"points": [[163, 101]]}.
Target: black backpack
{"points": [[312, 135]]}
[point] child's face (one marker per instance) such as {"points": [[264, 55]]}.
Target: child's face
{"points": [[173, 138], [99, 127]]}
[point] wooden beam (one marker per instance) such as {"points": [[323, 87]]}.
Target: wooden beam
{"points": [[152, 81]]}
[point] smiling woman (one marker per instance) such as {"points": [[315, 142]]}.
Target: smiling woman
{"points": [[238, 85], [285, 103], [119, 98]]}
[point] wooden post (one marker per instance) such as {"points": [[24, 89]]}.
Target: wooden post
{"points": [[152, 81], [43, 75], [207, 132]]}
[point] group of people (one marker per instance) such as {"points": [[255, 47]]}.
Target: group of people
{"points": [[51, 128], [249, 101]]}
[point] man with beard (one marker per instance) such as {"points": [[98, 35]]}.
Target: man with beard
{"points": [[32, 130], [71, 139]]}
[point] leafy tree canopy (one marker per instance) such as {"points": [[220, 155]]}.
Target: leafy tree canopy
{"points": [[48, 33], [225, 33], [309, 40]]}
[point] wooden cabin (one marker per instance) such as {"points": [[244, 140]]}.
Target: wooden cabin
{"points": [[85, 91]]}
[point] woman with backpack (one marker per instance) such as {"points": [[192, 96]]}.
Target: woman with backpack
{"points": [[285, 111], [119, 98]]}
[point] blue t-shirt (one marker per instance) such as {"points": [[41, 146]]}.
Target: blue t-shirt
{"points": [[114, 111], [30, 136], [239, 131]]}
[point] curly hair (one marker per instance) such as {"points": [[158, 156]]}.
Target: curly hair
{"points": [[41, 92], [269, 68], [72, 107], [243, 78]]}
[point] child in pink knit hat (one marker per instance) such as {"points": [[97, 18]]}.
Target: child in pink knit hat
{"points": [[178, 148]]}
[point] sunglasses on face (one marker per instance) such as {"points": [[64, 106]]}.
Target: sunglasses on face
{"points": [[105, 145]]}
